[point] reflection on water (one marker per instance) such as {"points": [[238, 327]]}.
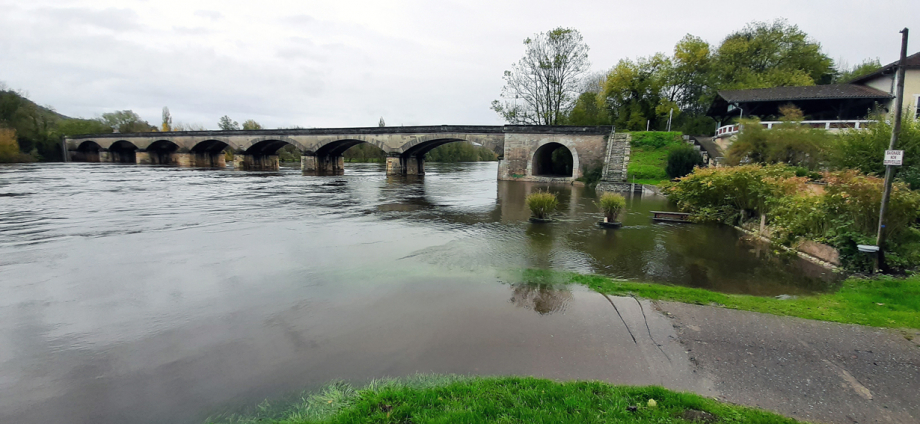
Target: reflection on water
{"points": [[540, 298], [157, 294]]}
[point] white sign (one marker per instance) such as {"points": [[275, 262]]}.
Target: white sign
{"points": [[894, 157]]}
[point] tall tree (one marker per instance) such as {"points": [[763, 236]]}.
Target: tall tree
{"points": [[846, 74], [381, 123], [126, 121], [167, 120], [771, 54], [543, 85], [227, 124], [251, 124]]}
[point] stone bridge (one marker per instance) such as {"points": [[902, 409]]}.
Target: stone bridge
{"points": [[525, 152]]}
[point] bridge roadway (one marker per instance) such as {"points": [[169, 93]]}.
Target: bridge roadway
{"points": [[523, 151]]}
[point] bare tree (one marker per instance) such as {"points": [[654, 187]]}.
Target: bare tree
{"points": [[167, 120], [545, 83]]}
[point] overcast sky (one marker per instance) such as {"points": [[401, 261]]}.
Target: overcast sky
{"points": [[347, 63]]}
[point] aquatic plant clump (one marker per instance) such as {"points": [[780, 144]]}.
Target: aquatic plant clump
{"points": [[612, 205], [542, 204]]}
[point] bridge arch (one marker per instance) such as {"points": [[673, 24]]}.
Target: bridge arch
{"points": [[553, 159], [266, 146], [123, 151], [87, 151], [209, 146], [162, 152]]}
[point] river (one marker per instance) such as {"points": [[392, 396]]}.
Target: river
{"points": [[156, 294]]}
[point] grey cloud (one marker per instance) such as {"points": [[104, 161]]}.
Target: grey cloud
{"points": [[111, 18], [210, 14], [191, 30]]}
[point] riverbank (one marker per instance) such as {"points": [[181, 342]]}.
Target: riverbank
{"points": [[433, 398], [877, 302]]}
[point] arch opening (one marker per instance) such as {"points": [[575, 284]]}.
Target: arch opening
{"points": [[87, 151], [209, 154], [553, 160], [330, 158], [162, 152], [267, 147], [123, 151]]}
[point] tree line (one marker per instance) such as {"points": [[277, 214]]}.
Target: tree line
{"points": [[552, 85]]}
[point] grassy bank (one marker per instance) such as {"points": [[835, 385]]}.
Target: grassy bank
{"points": [[877, 302], [648, 156], [451, 399]]}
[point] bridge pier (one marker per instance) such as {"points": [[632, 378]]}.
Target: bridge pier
{"points": [[405, 165], [247, 162], [322, 165]]}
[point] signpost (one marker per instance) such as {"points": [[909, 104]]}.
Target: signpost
{"points": [[894, 157]]}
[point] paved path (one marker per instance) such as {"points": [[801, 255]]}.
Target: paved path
{"points": [[808, 370]]}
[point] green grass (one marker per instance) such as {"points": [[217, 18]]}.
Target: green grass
{"points": [[877, 302], [452, 399], [648, 156]]}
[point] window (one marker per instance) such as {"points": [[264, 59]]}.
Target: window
{"points": [[917, 106]]}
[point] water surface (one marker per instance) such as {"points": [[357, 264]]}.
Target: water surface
{"points": [[156, 294]]}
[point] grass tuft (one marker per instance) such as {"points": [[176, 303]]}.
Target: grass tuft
{"points": [[524, 400]]}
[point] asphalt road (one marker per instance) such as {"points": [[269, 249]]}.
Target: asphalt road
{"points": [[808, 370]]}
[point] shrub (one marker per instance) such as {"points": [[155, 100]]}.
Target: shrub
{"points": [[654, 139], [9, 147], [843, 213], [790, 143], [863, 149], [541, 204], [612, 204], [682, 160]]}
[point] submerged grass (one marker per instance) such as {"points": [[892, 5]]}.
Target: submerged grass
{"points": [[877, 302], [519, 400]]}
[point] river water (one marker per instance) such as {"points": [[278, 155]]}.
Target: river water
{"points": [[157, 294]]}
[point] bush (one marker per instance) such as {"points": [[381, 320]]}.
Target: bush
{"points": [[654, 139], [682, 160], [541, 204], [612, 204], [9, 148], [843, 213], [790, 143], [863, 149]]}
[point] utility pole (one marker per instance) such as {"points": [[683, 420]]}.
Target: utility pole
{"points": [[898, 101]]}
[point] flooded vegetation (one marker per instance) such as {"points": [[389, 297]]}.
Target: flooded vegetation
{"points": [[158, 294]]}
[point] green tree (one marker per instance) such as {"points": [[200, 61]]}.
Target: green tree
{"points": [[770, 54], [846, 74], [71, 127], [250, 125], [381, 123], [227, 124], [126, 121], [542, 87]]}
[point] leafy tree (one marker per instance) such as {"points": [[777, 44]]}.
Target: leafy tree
{"points": [[846, 74], [545, 81], [167, 120], [381, 123], [460, 152], [682, 160], [636, 92], [71, 127], [250, 125], [9, 147], [227, 124], [126, 121], [771, 54], [364, 152]]}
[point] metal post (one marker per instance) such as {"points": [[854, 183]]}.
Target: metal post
{"points": [[898, 101]]}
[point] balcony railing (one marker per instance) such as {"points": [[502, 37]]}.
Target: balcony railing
{"points": [[730, 130]]}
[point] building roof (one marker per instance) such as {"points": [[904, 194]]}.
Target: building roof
{"points": [[910, 62], [813, 92]]}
